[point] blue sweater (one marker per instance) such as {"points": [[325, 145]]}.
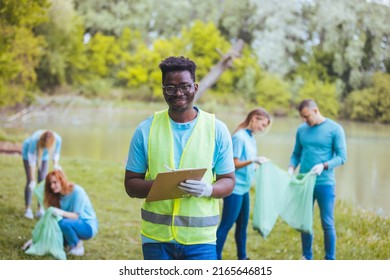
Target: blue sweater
{"points": [[321, 143]]}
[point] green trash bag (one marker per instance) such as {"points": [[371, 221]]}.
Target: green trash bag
{"points": [[270, 185], [39, 192], [279, 194], [47, 237], [298, 202]]}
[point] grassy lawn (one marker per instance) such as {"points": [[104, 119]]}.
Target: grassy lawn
{"points": [[361, 235]]}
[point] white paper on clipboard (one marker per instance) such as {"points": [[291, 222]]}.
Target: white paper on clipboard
{"points": [[165, 186]]}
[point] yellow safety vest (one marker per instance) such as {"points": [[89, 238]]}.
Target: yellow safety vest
{"points": [[189, 220]]}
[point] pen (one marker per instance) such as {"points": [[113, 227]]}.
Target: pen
{"points": [[168, 168]]}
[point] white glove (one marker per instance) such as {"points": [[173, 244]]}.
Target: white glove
{"points": [[290, 170], [196, 188], [57, 212], [32, 184], [317, 169], [260, 160], [57, 167]]}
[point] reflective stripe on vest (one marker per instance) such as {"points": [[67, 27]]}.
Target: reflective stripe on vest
{"points": [[180, 221], [189, 220]]}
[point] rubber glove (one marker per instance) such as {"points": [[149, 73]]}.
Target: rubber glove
{"points": [[317, 169], [57, 212], [196, 188], [290, 170], [57, 167], [260, 160], [32, 184]]}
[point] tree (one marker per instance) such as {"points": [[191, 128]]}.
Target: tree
{"points": [[20, 49], [273, 93], [64, 57], [324, 93], [356, 34], [372, 103], [281, 35]]}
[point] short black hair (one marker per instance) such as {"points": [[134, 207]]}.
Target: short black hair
{"points": [[307, 103], [177, 63]]}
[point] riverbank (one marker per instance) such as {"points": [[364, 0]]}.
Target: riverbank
{"points": [[362, 235], [10, 147]]}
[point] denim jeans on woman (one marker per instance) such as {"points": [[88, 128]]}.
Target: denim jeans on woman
{"points": [[74, 230], [325, 197], [235, 210]]}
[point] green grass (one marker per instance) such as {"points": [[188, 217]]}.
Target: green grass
{"points": [[361, 235]]}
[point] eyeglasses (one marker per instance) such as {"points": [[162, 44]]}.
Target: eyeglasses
{"points": [[184, 89]]}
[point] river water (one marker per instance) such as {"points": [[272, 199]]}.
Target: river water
{"points": [[105, 133]]}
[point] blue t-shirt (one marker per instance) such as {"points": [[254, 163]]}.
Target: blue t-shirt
{"points": [[321, 143], [30, 149], [137, 160], [78, 201], [244, 148]]}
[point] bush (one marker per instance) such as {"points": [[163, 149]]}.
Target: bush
{"points": [[371, 104]]}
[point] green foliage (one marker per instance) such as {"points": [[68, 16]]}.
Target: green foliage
{"points": [[319, 67], [306, 43], [96, 87], [22, 55], [371, 104], [273, 94], [206, 52], [20, 49], [138, 67], [356, 34], [324, 94], [64, 56], [26, 13], [103, 53], [112, 17]]}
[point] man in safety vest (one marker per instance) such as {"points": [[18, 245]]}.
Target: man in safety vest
{"points": [[182, 136]]}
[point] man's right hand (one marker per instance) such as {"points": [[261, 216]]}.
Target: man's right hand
{"points": [[290, 170]]}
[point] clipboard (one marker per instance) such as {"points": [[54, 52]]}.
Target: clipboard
{"points": [[165, 184]]}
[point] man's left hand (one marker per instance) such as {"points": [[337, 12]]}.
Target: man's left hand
{"points": [[196, 188]]}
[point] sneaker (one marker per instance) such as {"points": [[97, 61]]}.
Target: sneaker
{"points": [[77, 250], [29, 214], [39, 213]]}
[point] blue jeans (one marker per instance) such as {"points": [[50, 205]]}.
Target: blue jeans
{"points": [[235, 210], [74, 230], [175, 251], [325, 196]]}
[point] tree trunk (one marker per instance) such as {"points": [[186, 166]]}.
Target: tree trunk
{"points": [[226, 61]]}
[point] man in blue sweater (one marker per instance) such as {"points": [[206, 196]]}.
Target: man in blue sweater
{"points": [[320, 147]]}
